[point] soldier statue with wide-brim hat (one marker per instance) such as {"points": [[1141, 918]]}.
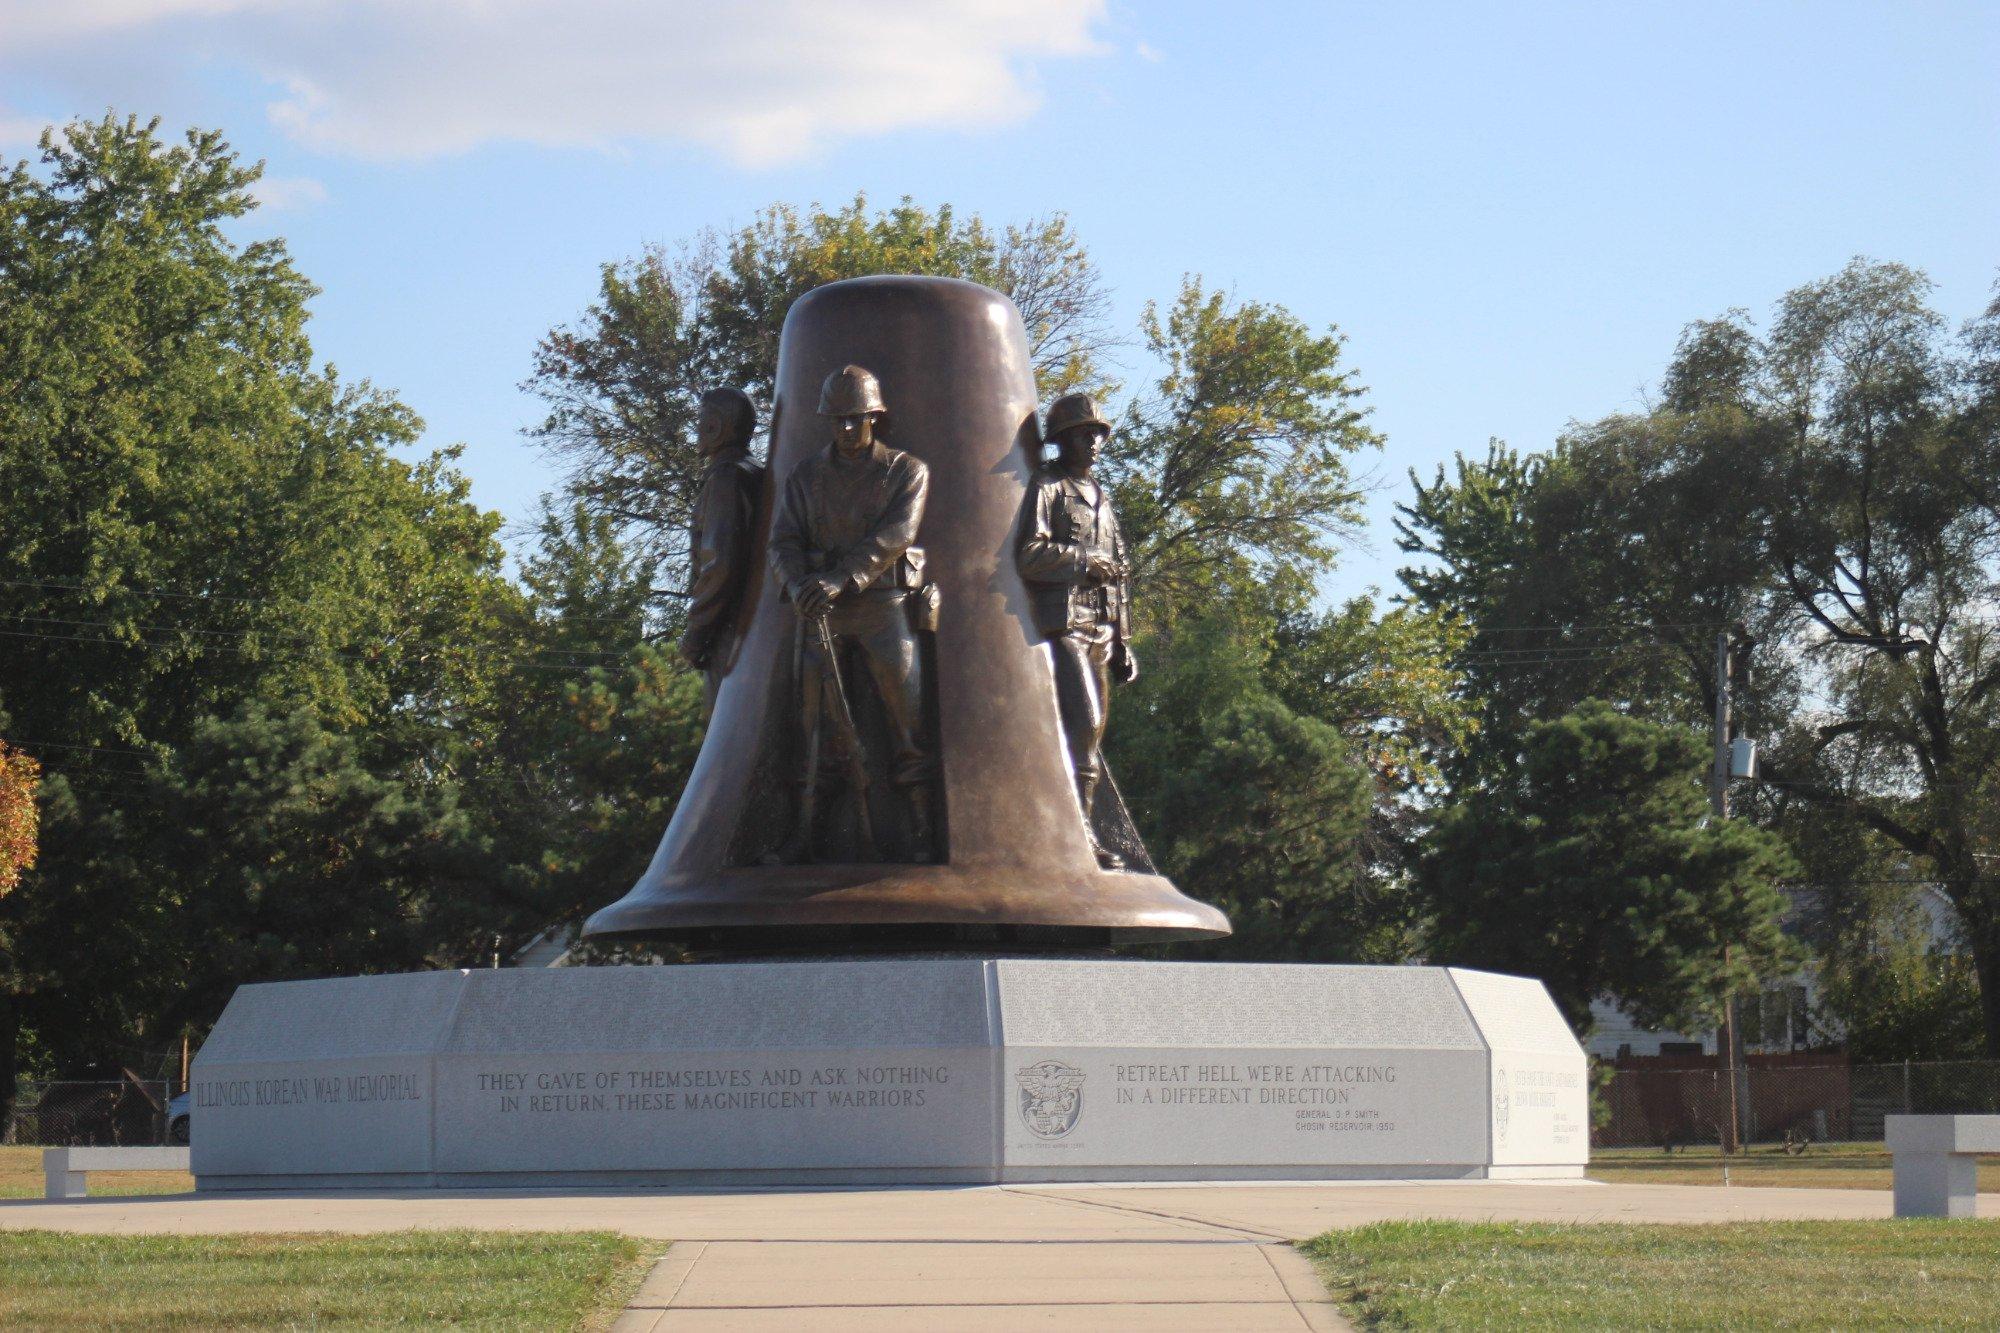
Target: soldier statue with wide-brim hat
{"points": [[1072, 557], [843, 552]]}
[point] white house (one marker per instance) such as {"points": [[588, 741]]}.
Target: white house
{"points": [[1782, 1020]]}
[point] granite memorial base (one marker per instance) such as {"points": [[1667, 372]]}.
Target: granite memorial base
{"points": [[912, 1070]]}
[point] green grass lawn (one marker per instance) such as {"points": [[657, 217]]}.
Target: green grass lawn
{"points": [[1854, 1166], [420, 1279], [21, 1178], [1915, 1273]]}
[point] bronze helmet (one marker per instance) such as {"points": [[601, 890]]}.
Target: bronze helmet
{"points": [[850, 392], [1072, 409]]}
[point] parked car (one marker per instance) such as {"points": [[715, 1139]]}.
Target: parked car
{"points": [[180, 1111]]}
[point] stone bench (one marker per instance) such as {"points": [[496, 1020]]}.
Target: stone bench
{"points": [[66, 1171], [1936, 1163]]}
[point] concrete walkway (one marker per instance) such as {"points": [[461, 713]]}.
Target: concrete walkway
{"points": [[897, 1285], [1078, 1257]]}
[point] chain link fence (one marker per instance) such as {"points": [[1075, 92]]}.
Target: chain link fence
{"points": [[1793, 1102], [126, 1112]]}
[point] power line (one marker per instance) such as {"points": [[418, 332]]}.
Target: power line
{"points": [[139, 779], [1918, 881], [1914, 796], [274, 634], [345, 655], [1559, 651], [91, 749], [1564, 626], [208, 596]]}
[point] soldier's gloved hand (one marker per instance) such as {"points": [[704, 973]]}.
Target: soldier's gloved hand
{"points": [[1099, 569], [1124, 664], [815, 595]]}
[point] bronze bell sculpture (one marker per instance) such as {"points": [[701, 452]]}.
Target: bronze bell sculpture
{"points": [[885, 766]]}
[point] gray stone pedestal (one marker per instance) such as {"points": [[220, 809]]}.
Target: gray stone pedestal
{"points": [[1936, 1162], [898, 1070]]}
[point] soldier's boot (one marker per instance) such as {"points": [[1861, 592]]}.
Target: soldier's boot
{"points": [[923, 832], [1086, 793]]}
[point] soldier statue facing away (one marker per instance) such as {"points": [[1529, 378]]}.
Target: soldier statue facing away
{"points": [[1072, 557], [842, 549], [720, 535]]}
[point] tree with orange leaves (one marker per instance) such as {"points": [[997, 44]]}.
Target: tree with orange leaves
{"points": [[20, 775]]}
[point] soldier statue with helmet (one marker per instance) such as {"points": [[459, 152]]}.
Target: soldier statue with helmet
{"points": [[842, 550], [1072, 557]]}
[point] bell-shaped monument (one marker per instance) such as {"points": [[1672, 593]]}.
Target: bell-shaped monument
{"points": [[898, 765], [971, 835]]}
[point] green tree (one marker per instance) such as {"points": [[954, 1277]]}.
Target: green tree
{"points": [[291, 858], [1231, 469], [1384, 679], [1888, 994], [1885, 547], [1231, 474], [192, 508], [1251, 806], [1287, 769], [1827, 491], [1602, 569], [599, 729], [1481, 572], [1597, 870], [197, 520], [623, 385], [622, 750], [786, 252]]}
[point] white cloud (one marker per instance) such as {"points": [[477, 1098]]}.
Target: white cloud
{"points": [[284, 194], [759, 81]]}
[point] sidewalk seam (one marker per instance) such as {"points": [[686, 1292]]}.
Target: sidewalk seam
{"points": [[1311, 1301], [1249, 1233], [674, 1267]]}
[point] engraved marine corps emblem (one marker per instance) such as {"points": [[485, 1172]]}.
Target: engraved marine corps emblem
{"points": [[1051, 1097], [1503, 1105]]}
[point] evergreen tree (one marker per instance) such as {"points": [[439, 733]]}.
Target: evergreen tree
{"points": [[598, 728], [1252, 806], [1597, 870]]}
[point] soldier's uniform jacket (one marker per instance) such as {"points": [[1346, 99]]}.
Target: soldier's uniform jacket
{"points": [[1061, 527], [725, 513], [856, 521]]}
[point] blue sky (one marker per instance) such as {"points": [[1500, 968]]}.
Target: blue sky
{"points": [[1510, 209]]}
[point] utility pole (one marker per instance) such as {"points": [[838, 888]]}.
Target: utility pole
{"points": [[1718, 796]]}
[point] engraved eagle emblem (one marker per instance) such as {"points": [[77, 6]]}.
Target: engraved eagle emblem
{"points": [[1051, 1097]]}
